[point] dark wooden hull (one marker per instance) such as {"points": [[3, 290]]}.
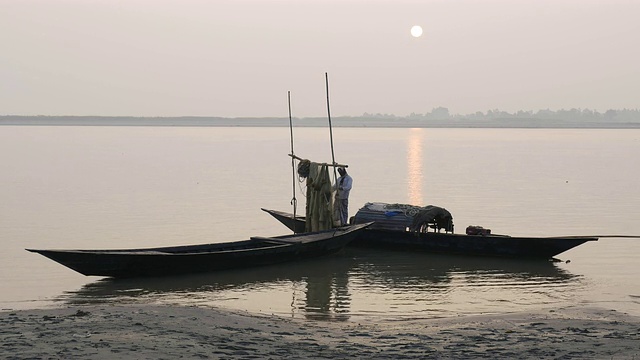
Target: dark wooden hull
{"points": [[179, 260], [476, 245]]}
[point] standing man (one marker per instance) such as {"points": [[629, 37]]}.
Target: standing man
{"points": [[344, 187]]}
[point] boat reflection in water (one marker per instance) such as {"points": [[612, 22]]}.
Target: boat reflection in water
{"points": [[314, 288], [362, 283]]}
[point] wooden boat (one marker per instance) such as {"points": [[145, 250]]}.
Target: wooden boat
{"points": [[402, 233], [176, 260], [402, 226]]}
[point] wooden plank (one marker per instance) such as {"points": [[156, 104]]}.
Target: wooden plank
{"points": [[274, 240]]}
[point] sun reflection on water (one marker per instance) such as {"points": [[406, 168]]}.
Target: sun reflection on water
{"points": [[414, 166]]}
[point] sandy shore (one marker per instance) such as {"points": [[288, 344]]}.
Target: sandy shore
{"points": [[157, 332]]}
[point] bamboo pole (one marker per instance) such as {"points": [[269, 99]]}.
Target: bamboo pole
{"points": [[294, 201], [334, 164], [333, 156], [594, 236]]}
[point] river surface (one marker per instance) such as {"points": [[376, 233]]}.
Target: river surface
{"points": [[99, 187]]}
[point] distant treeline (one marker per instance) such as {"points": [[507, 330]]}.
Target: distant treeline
{"points": [[442, 113], [438, 117]]}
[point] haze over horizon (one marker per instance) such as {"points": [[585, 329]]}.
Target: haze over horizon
{"points": [[239, 58]]}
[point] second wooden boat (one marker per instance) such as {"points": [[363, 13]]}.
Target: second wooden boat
{"points": [[176, 260], [398, 230]]}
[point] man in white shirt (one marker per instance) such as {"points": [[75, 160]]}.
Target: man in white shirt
{"points": [[344, 187]]}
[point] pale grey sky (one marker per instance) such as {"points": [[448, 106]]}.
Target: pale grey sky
{"points": [[237, 58]]}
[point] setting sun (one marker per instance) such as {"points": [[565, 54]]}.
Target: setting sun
{"points": [[416, 31]]}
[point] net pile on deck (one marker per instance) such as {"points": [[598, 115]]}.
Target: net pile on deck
{"points": [[319, 209], [403, 217]]}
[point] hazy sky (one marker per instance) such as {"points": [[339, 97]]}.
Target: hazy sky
{"points": [[239, 58]]}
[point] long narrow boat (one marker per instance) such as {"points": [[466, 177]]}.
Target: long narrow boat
{"points": [[393, 230], [176, 260]]}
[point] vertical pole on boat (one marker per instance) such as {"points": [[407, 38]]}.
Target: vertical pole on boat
{"points": [[333, 156], [294, 201]]}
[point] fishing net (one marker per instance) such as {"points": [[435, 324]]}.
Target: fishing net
{"points": [[319, 211]]}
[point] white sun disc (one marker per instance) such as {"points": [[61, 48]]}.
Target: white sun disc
{"points": [[416, 31]]}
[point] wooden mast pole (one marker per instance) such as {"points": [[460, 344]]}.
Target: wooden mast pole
{"points": [[333, 156], [294, 201]]}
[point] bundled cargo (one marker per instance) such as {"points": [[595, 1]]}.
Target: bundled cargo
{"points": [[403, 217], [477, 230]]}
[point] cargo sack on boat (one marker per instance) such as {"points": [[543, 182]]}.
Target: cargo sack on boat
{"points": [[477, 230], [433, 217], [403, 217]]}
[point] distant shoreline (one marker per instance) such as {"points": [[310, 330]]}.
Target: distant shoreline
{"points": [[356, 122]]}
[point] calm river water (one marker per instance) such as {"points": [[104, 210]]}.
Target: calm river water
{"points": [[121, 187]]}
